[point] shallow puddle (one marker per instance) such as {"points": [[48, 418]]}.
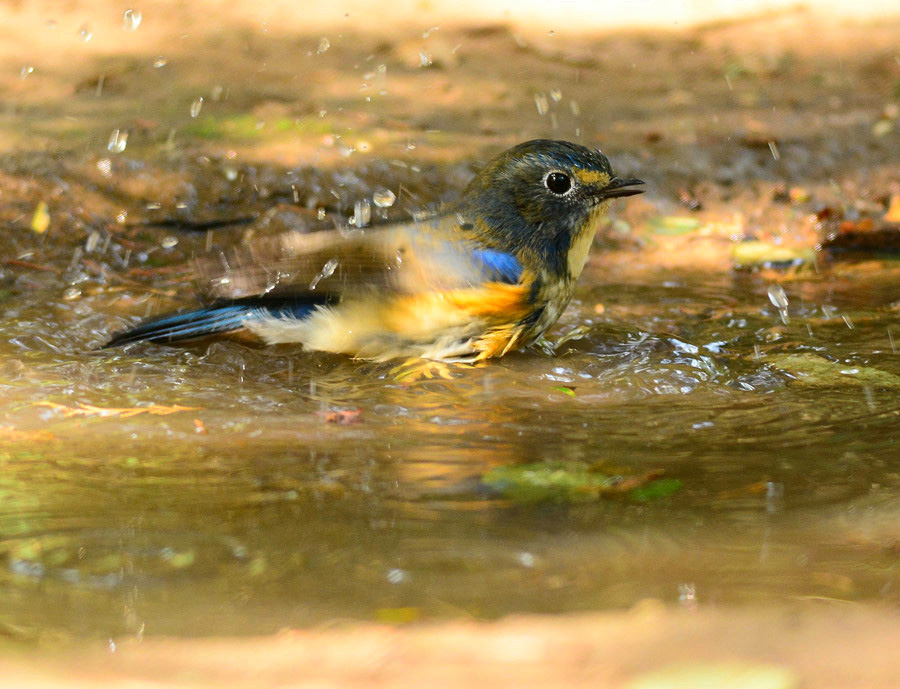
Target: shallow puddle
{"points": [[260, 507]]}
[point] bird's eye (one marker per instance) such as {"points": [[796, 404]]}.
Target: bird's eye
{"points": [[558, 183]]}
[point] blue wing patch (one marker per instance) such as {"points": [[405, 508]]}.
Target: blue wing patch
{"points": [[501, 267]]}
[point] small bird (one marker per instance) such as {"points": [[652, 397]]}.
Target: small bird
{"points": [[488, 274]]}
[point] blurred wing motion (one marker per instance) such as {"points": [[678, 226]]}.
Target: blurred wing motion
{"points": [[404, 290]]}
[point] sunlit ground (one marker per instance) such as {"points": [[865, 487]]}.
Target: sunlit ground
{"points": [[731, 354]]}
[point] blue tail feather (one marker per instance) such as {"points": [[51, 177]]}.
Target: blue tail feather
{"points": [[218, 318]]}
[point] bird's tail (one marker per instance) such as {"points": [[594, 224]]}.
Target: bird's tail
{"points": [[217, 318]]}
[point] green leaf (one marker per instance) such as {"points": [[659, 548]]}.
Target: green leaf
{"points": [[756, 253], [654, 490], [564, 390], [674, 224]]}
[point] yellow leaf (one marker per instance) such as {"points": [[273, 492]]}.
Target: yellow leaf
{"points": [[893, 214], [40, 221]]}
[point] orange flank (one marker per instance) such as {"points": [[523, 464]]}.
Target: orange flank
{"points": [[493, 300], [498, 305], [422, 316]]}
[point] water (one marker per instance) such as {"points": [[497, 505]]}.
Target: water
{"points": [[253, 512]]}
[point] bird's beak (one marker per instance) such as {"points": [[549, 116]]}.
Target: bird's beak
{"points": [[617, 188]]}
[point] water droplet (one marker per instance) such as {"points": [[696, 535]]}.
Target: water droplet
{"points": [[85, 33], [551, 34], [779, 300], [160, 62], [362, 213], [575, 108], [777, 296], [122, 217], [425, 59], [131, 20], [430, 31], [774, 496], [320, 213], [397, 576], [324, 44], [230, 173], [526, 559], [326, 272], [687, 595], [216, 93], [92, 242], [384, 198], [105, 167], [118, 140], [26, 70], [540, 100], [71, 294], [556, 95], [196, 106], [773, 148], [169, 242]]}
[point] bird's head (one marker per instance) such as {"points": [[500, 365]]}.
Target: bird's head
{"points": [[543, 198]]}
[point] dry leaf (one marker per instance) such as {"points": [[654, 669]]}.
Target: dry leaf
{"points": [[127, 412], [342, 417]]}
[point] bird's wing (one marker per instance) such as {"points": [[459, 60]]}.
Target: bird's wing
{"points": [[409, 259]]}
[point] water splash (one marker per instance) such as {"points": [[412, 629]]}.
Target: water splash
{"points": [[118, 140], [779, 300], [326, 272], [362, 213], [384, 198], [131, 20]]}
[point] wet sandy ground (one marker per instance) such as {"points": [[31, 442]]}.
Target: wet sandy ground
{"points": [[647, 648]]}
